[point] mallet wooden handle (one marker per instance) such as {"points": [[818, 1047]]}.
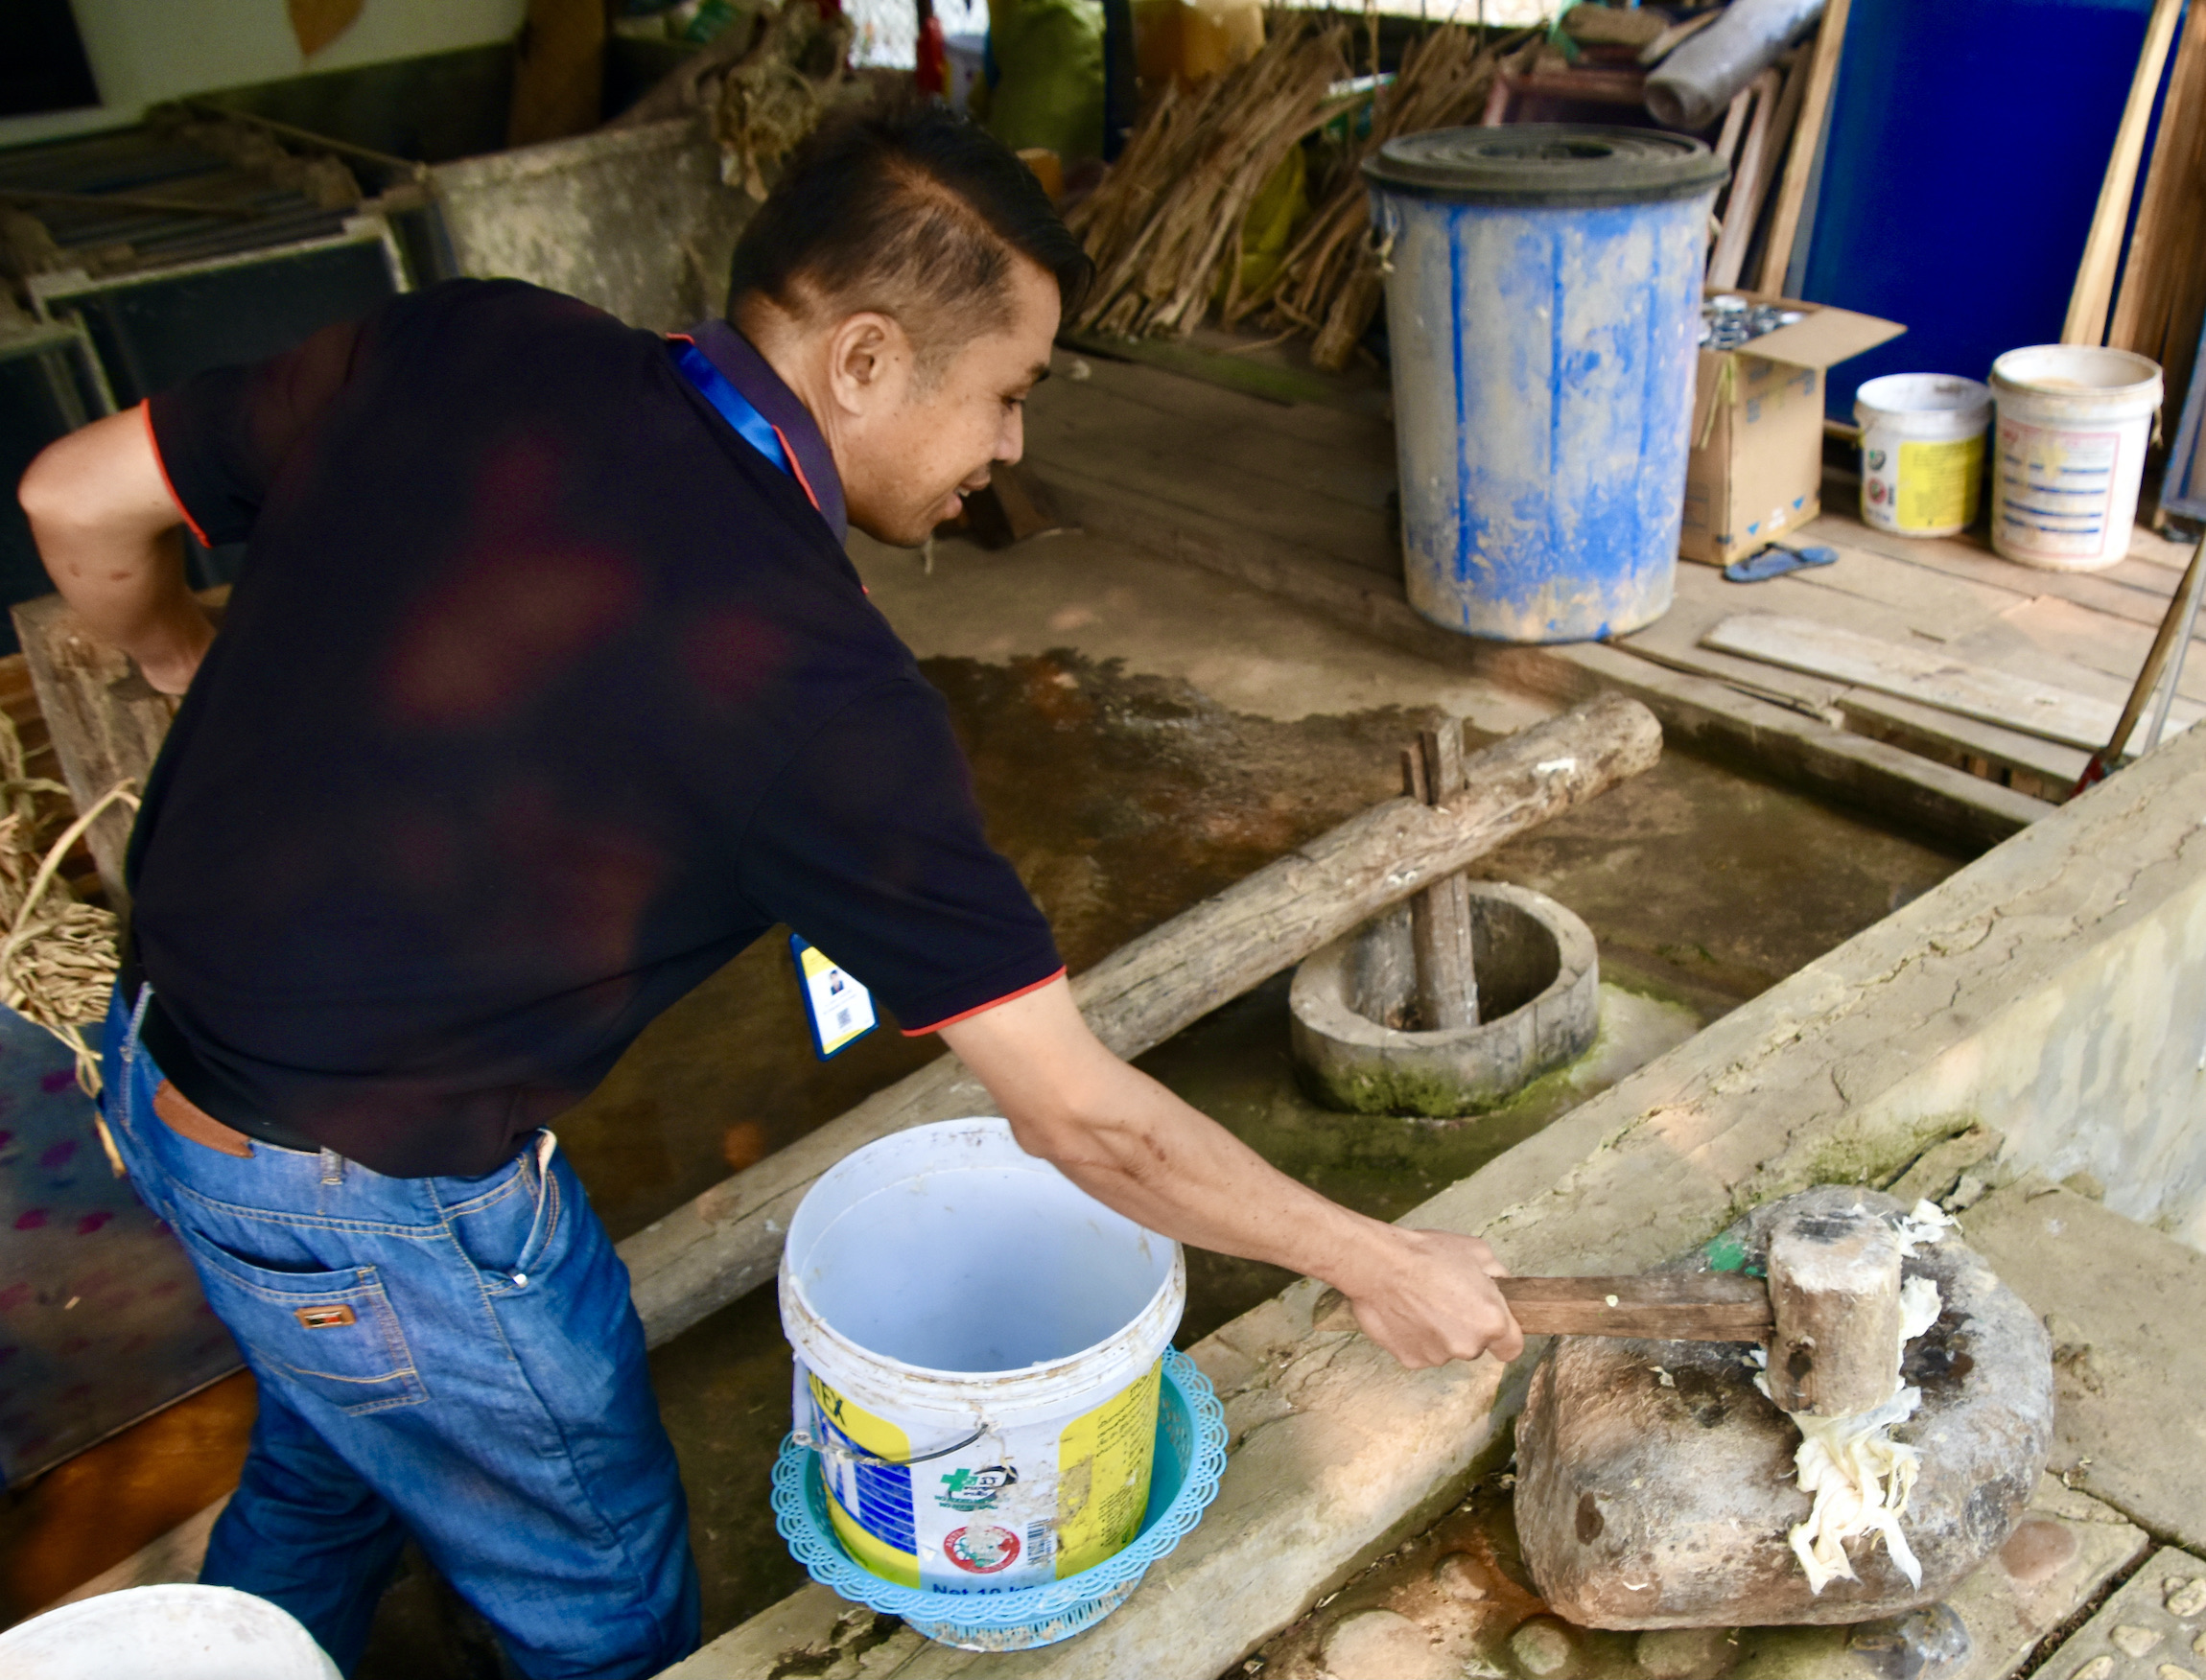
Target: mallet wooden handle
{"points": [[1664, 1306]]}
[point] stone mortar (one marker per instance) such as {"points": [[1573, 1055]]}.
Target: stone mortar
{"points": [[1539, 1003], [1644, 1504]]}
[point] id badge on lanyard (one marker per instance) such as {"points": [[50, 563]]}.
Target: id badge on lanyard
{"points": [[838, 1010]]}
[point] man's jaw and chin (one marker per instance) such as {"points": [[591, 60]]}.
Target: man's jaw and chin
{"points": [[914, 535]]}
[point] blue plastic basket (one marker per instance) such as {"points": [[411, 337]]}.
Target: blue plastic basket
{"points": [[1184, 1479]]}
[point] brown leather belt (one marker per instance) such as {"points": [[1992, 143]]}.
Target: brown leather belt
{"points": [[188, 1120], [173, 1054]]}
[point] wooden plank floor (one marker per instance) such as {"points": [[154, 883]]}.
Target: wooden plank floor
{"points": [[2085, 633], [1297, 498]]}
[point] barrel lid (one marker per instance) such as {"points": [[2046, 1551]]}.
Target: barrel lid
{"points": [[1568, 165]]}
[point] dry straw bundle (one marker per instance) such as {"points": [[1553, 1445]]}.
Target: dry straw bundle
{"points": [[776, 93], [58, 955], [1331, 281], [1164, 228]]}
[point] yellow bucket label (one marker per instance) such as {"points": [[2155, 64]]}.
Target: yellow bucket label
{"points": [[870, 1504], [1939, 483], [1010, 1507], [1103, 1462]]}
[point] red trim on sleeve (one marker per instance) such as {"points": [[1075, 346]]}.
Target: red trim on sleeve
{"points": [[983, 1008], [167, 483]]}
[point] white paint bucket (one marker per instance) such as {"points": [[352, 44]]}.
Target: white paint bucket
{"points": [[175, 1632], [2071, 430], [1923, 452], [978, 1347]]}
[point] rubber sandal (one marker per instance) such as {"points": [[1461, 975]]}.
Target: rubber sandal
{"points": [[1777, 559]]}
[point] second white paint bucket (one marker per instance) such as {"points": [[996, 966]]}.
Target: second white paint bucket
{"points": [[176, 1631], [1923, 452], [978, 1348], [2073, 423]]}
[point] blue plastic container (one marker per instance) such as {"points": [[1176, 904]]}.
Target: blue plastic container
{"points": [[1544, 307], [1183, 1480]]}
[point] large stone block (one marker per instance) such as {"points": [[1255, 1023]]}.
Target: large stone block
{"points": [[1655, 1482]]}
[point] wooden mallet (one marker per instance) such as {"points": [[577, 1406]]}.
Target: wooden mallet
{"points": [[1829, 1311]]}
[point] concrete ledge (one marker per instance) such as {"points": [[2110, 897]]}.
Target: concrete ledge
{"points": [[2035, 989]]}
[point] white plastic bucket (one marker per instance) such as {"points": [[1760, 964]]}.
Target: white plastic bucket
{"points": [[978, 1348], [1923, 452], [175, 1632], [2071, 430]]}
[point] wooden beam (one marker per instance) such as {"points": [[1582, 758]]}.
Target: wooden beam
{"points": [[1807, 136], [106, 721], [728, 1239], [2088, 303]]}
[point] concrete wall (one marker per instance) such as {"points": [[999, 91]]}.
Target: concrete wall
{"points": [[2097, 1064], [634, 221], [146, 51]]}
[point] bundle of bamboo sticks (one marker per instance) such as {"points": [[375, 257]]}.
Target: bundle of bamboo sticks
{"points": [[1331, 281], [2161, 306], [1164, 228]]}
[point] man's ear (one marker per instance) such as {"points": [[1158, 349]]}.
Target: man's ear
{"points": [[868, 361]]}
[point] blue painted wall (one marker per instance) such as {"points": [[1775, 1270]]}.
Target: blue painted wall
{"points": [[1968, 140]]}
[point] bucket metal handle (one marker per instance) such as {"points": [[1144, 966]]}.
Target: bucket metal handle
{"points": [[860, 1455], [801, 1407]]}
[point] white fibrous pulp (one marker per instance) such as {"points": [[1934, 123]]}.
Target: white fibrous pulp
{"points": [[1859, 1477]]}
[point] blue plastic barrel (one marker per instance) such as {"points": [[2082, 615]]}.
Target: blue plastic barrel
{"points": [[1543, 306]]}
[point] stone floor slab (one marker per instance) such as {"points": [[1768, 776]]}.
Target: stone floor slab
{"points": [[2124, 1303], [1455, 1598], [2154, 1628], [2060, 1555]]}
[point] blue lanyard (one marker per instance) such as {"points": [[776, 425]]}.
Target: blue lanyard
{"points": [[735, 407]]}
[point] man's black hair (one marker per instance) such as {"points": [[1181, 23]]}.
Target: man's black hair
{"points": [[911, 210]]}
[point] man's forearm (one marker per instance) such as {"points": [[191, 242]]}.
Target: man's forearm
{"points": [[1428, 1296], [1139, 1149], [109, 535]]}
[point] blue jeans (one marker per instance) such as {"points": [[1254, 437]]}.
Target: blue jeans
{"points": [[451, 1359]]}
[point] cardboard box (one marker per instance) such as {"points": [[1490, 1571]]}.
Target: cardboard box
{"points": [[1757, 467]]}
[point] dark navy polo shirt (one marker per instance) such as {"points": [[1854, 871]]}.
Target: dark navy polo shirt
{"points": [[541, 694]]}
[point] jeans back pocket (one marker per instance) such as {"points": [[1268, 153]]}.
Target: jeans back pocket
{"points": [[333, 1334]]}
